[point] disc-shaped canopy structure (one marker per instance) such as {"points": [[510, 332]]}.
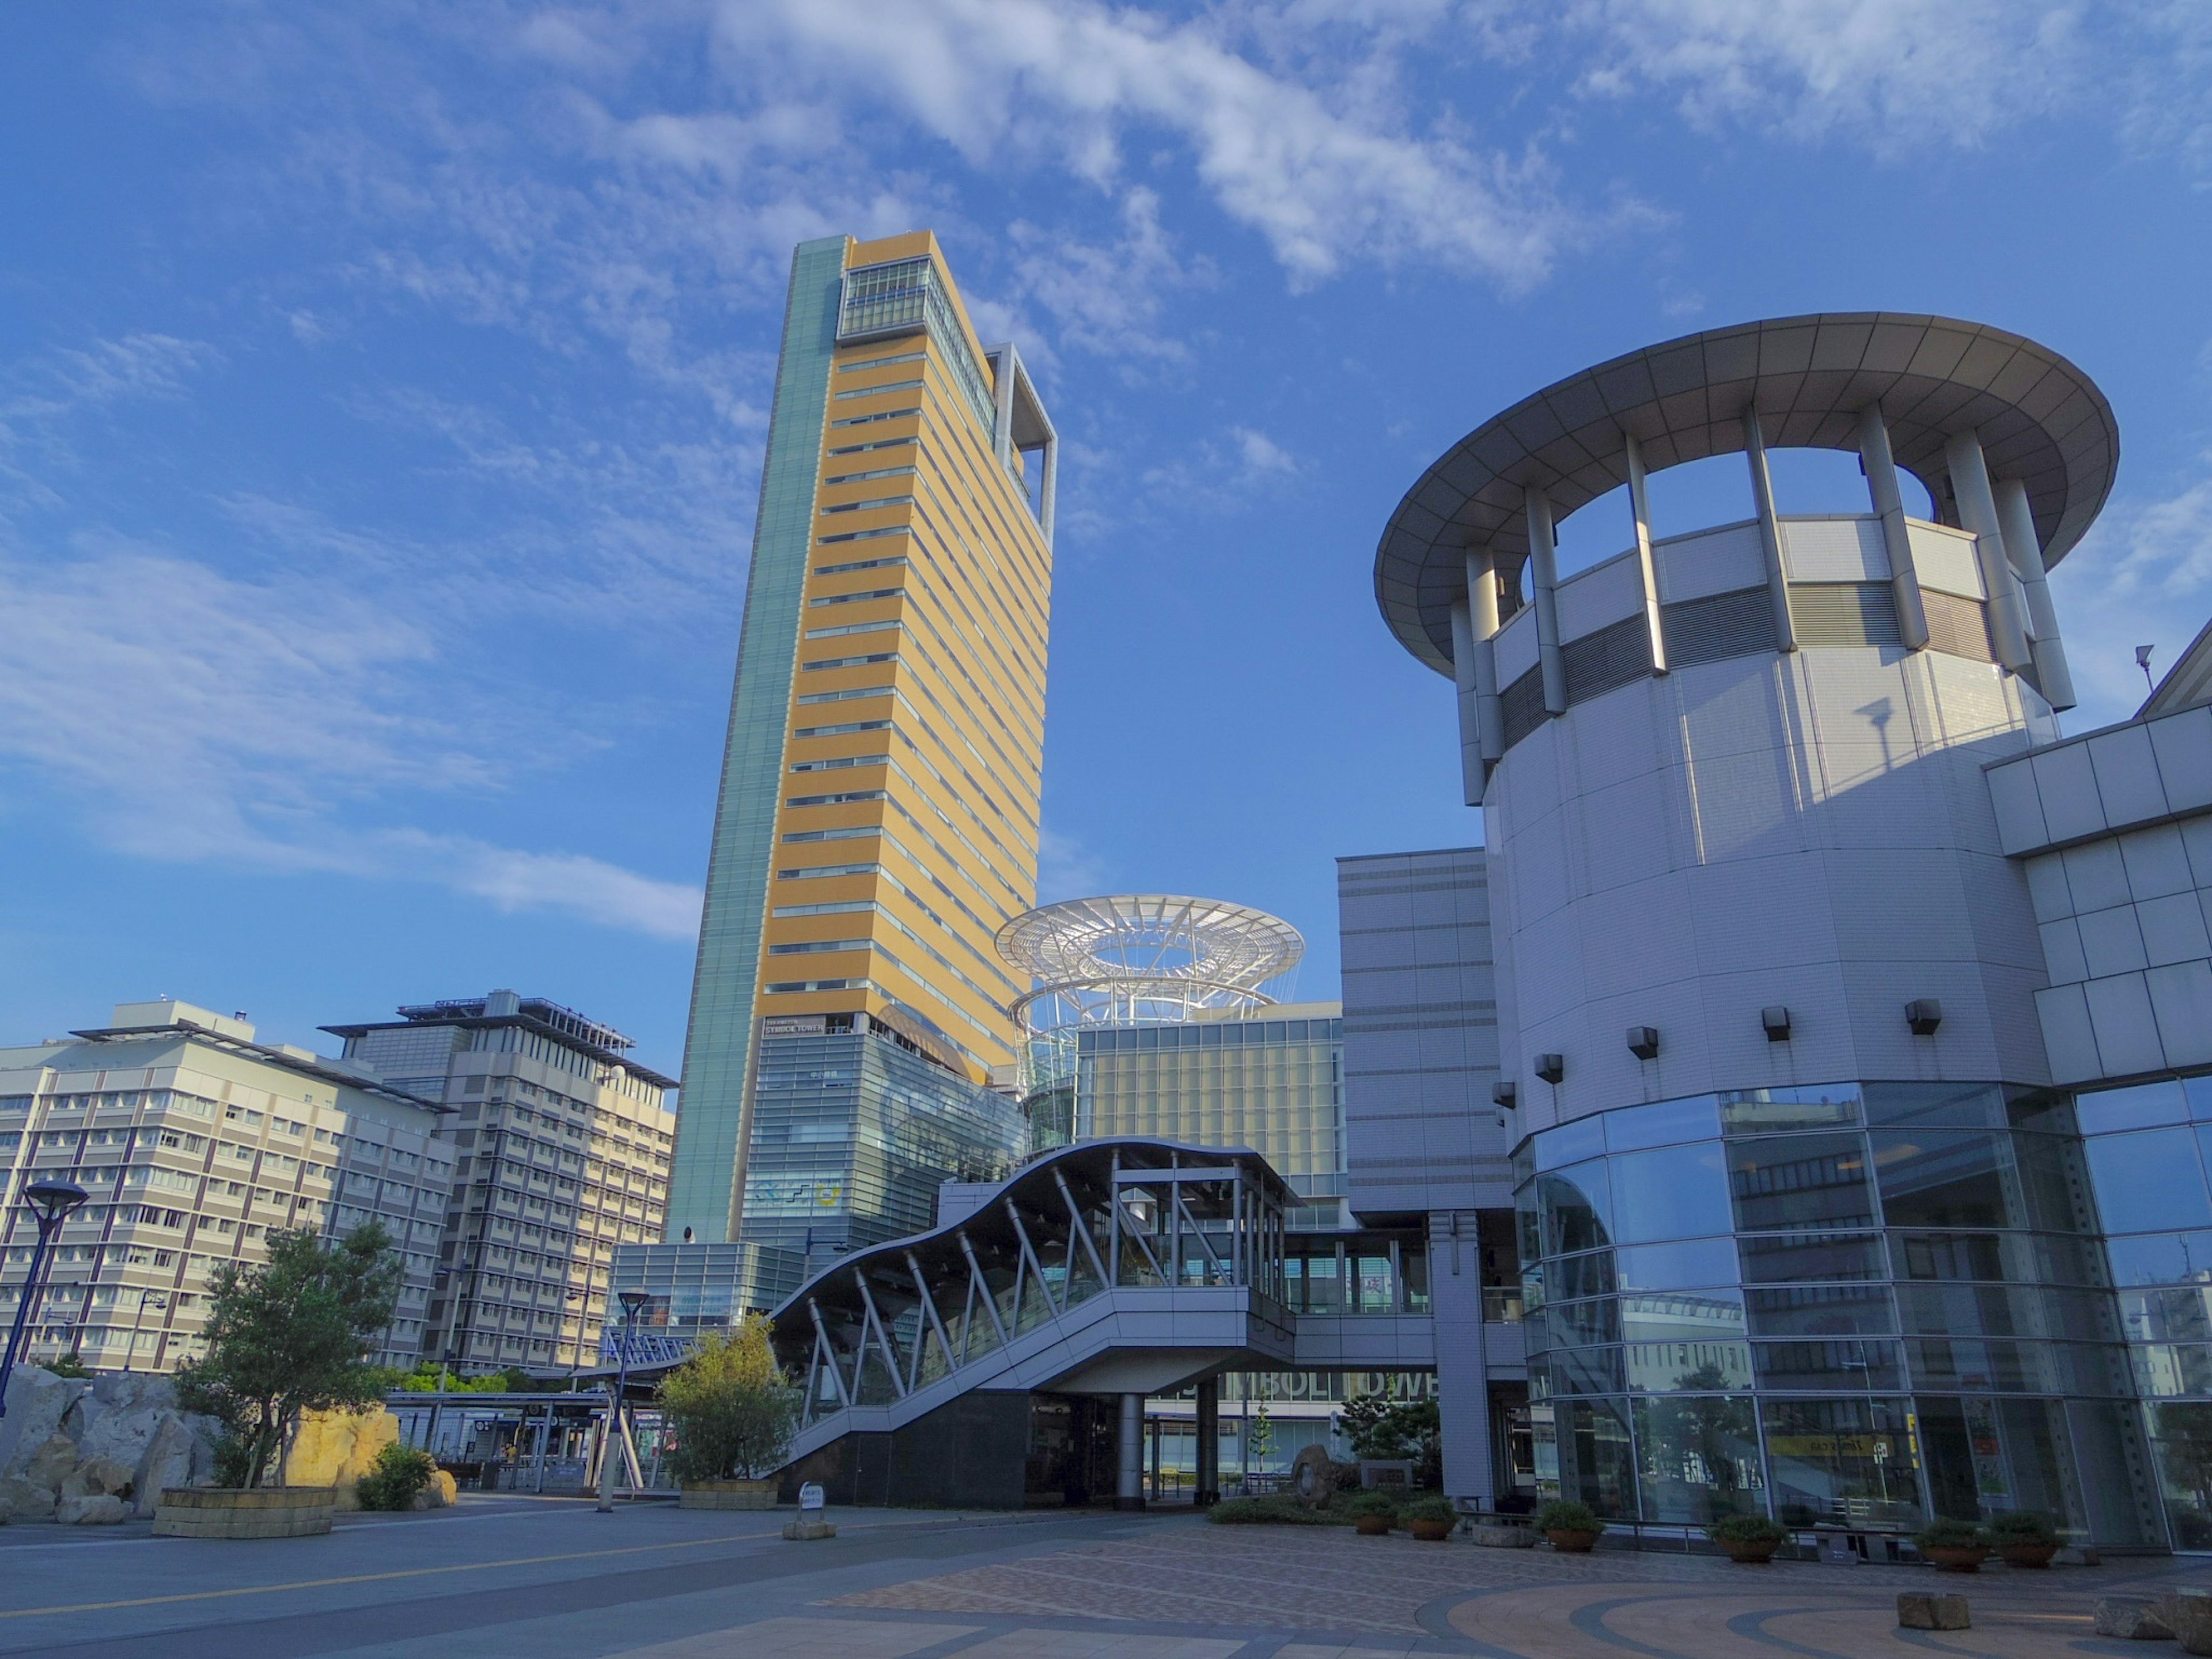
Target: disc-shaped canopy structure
{"points": [[1144, 955]]}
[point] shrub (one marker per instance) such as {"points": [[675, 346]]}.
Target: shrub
{"points": [[1566, 1515], [1746, 1529], [1428, 1508], [1945, 1533], [1372, 1503], [1276, 1511], [399, 1472], [2022, 1527], [730, 1406]]}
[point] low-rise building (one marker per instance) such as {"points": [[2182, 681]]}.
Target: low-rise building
{"points": [[195, 1140], [563, 1144]]}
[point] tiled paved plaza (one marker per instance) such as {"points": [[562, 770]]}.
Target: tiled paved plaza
{"points": [[553, 1580]]}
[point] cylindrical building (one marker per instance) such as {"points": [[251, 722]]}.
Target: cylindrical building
{"points": [[1804, 1226]]}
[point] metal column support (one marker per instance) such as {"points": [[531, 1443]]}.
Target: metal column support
{"points": [[983, 1290], [1897, 541], [1482, 616], [1639, 504], [1978, 512], [1473, 769], [1770, 530], [929, 1308], [1544, 580], [1129, 1483], [2024, 550], [883, 1338], [1209, 1443], [1076, 1224]]}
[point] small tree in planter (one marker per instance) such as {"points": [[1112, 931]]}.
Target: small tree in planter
{"points": [[731, 1409], [2024, 1537], [1952, 1546], [290, 1336], [1750, 1539], [1572, 1526]]}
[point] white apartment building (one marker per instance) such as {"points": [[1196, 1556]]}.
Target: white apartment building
{"points": [[194, 1140]]}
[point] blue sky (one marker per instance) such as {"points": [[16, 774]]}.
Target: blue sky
{"points": [[382, 391]]}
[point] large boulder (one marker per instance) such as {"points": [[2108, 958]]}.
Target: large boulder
{"points": [[22, 1501], [167, 1461], [98, 1477], [98, 1510], [119, 1416], [52, 1463], [335, 1449], [37, 1402]]}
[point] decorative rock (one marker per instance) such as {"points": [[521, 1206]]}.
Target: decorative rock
{"points": [[37, 1400], [52, 1463], [98, 1477], [804, 1528], [441, 1493], [2132, 1618], [166, 1462], [1920, 1610], [22, 1501], [1502, 1535], [2190, 1617], [98, 1511]]}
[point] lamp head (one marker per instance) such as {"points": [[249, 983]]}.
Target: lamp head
{"points": [[52, 1197], [632, 1301]]}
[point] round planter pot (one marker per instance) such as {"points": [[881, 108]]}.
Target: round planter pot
{"points": [[727, 1495], [1572, 1543], [1372, 1526], [2028, 1555], [238, 1512], [1430, 1532], [1966, 1558], [1750, 1552]]}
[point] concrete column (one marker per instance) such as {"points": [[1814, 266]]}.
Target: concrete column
{"points": [[1978, 512], [1462, 1360], [1129, 1486], [1770, 530], [2025, 551], [1048, 492], [1209, 1443], [1639, 503], [1544, 582], [1896, 540], [1473, 771], [1002, 388], [1482, 616]]}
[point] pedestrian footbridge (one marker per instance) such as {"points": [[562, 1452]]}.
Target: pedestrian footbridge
{"points": [[1117, 1268]]}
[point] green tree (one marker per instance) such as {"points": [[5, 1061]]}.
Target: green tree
{"points": [[1263, 1439], [289, 1335], [729, 1406]]}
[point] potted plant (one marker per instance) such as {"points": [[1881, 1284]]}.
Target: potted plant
{"points": [[1750, 1540], [732, 1412], [1432, 1520], [1952, 1546], [2024, 1538], [1572, 1526], [1371, 1514], [286, 1336]]}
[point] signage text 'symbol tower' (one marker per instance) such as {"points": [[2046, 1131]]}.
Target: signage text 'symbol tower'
{"points": [[1765, 980], [877, 820]]}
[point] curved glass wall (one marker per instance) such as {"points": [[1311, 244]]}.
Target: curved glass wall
{"points": [[1857, 1304], [2147, 1148]]}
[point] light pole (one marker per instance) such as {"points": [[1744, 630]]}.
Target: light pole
{"points": [[51, 1201], [631, 1301], [139, 1319]]}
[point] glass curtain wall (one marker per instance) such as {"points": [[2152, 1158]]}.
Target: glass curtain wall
{"points": [[1853, 1304], [2147, 1148]]}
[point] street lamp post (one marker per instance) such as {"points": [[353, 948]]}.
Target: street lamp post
{"points": [[139, 1319], [631, 1301], [51, 1201]]}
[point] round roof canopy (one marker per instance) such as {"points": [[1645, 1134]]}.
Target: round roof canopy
{"points": [[2041, 420], [1123, 951]]}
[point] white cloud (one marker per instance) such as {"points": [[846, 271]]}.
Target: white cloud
{"points": [[1022, 82], [196, 717], [1260, 454], [1067, 868], [1105, 298]]}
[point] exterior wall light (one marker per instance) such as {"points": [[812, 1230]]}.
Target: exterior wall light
{"points": [[1507, 1095], [1644, 1041], [1924, 1014], [1776, 1022], [1550, 1067]]}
